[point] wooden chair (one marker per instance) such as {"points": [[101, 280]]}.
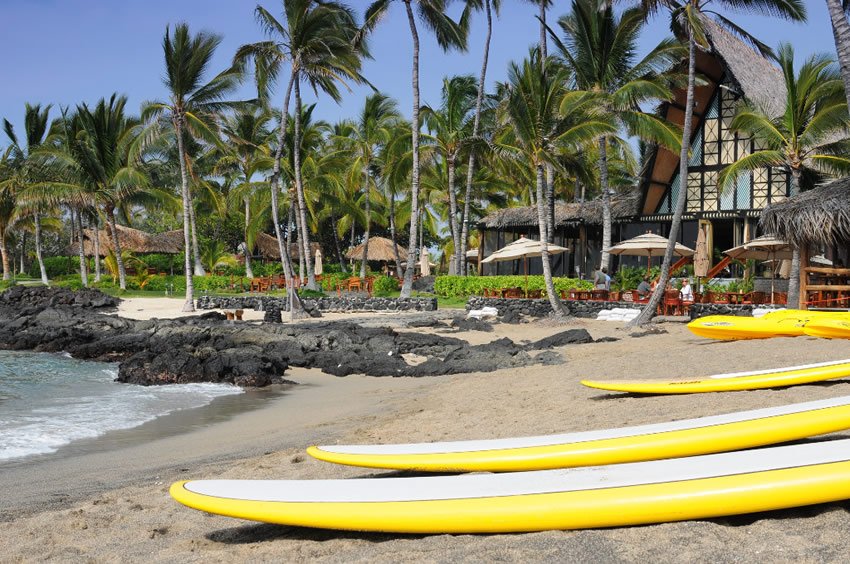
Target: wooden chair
{"points": [[672, 303], [571, 295], [780, 298], [599, 295], [513, 293], [755, 298], [628, 296], [354, 284], [534, 294]]}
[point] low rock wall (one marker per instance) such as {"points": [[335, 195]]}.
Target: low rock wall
{"points": [[541, 308], [314, 306], [741, 310]]}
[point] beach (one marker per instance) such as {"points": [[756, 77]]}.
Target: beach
{"points": [[110, 504]]}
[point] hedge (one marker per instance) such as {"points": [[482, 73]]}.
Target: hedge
{"points": [[463, 286]]}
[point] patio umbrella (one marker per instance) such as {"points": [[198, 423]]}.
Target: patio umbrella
{"points": [[766, 247], [318, 267], [702, 258], [648, 245], [522, 248], [424, 263]]}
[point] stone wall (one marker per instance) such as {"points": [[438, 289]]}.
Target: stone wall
{"points": [[742, 310], [314, 306], [542, 308]]}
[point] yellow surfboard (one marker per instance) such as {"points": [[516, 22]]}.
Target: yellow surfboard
{"points": [[625, 494], [828, 328], [690, 437], [733, 328], [754, 380]]}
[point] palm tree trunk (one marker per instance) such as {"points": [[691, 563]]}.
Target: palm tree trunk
{"points": [[841, 33], [550, 203], [649, 310], [38, 255], [398, 271], [196, 252], [453, 226], [249, 272], [84, 271], [336, 245], [794, 275], [470, 171], [295, 219], [21, 269], [96, 241], [299, 190], [557, 306], [295, 307], [4, 254], [368, 206], [606, 202], [116, 244], [407, 286], [187, 205]]}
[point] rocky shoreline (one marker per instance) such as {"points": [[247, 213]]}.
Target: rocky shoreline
{"points": [[203, 348]]}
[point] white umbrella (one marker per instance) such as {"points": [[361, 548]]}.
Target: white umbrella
{"points": [[523, 248], [317, 269], [766, 247], [648, 245], [820, 259], [424, 263], [702, 258]]}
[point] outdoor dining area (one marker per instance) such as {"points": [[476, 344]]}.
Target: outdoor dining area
{"points": [[768, 251]]}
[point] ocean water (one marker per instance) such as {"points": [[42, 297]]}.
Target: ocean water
{"points": [[51, 400]]}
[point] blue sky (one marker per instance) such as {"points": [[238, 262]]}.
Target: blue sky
{"points": [[69, 51]]}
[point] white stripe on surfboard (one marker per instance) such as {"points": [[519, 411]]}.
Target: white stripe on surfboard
{"points": [[776, 370], [585, 436], [469, 486]]}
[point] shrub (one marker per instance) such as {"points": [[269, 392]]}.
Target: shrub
{"points": [[463, 286], [6, 284], [384, 286]]}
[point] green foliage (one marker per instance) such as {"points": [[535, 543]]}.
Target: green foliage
{"points": [[384, 286], [628, 278], [463, 286], [6, 284], [311, 294], [55, 266]]}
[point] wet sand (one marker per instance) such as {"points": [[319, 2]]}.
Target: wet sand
{"points": [[117, 507]]}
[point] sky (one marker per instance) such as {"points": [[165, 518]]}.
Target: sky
{"points": [[64, 52]]}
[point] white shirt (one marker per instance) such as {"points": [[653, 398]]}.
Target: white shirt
{"points": [[686, 293]]}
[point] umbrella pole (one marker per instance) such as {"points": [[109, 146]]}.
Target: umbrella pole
{"points": [[525, 267], [772, 276]]}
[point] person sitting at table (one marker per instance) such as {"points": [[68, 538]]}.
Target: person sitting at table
{"points": [[686, 293], [644, 288], [602, 281]]}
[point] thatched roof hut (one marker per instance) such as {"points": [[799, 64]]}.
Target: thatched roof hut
{"points": [[819, 217], [589, 213], [133, 240], [268, 247], [379, 249]]}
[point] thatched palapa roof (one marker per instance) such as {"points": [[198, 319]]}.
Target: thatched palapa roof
{"points": [[380, 249], [816, 217], [133, 240], [268, 247], [590, 213]]}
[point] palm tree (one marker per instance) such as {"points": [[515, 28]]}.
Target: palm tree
{"points": [[809, 136], [547, 125], [450, 126], [449, 34], [687, 19], [841, 34], [600, 49], [26, 167], [489, 6], [9, 210], [191, 110], [248, 135], [317, 40], [369, 134]]}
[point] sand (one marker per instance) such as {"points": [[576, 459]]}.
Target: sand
{"points": [[112, 504]]}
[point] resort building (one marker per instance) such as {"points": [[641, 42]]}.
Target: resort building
{"points": [[729, 73]]}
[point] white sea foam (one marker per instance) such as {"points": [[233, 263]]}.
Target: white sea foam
{"points": [[48, 401]]}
